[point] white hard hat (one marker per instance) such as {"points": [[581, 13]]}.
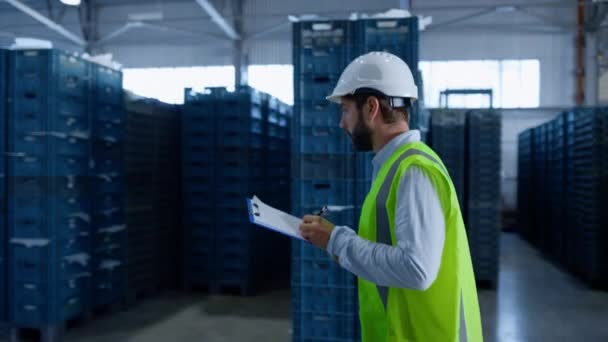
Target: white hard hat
{"points": [[380, 71]]}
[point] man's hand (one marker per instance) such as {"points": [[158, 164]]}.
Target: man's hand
{"points": [[316, 230]]}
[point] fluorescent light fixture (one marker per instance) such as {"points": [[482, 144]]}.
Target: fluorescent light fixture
{"points": [[70, 2], [146, 16], [505, 9]]}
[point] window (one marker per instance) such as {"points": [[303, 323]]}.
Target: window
{"points": [[168, 84], [275, 79], [515, 83]]}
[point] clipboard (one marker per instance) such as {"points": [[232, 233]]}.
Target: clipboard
{"points": [[268, 217]]}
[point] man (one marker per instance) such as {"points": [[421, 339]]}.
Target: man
{"points": [[411, 254]]}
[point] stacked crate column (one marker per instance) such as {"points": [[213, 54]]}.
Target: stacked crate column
{"points": [[483, 192], [324, 295], [198, 190], [48, 203], [109, 229]]}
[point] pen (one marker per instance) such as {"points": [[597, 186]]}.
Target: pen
{"points": [[322, 211]]}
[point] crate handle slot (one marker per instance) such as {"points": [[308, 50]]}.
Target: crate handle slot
{"points": [[72, 81], [386, 24], [321, 26], [322, 186], [320, 79]]}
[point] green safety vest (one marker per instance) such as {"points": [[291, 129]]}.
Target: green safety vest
{"points": [[433, 315]]}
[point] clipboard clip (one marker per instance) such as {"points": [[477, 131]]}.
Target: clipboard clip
{"points": [[256, 209]]}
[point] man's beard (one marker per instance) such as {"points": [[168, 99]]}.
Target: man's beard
{"points": [[361, 136]]}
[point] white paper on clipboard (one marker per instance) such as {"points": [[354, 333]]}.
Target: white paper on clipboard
{"points": [[268, 217]]}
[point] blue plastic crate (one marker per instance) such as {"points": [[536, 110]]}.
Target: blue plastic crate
{"points": [[319, 112], [57, 188], [316, 87], [328, 299], [197, 196], [198, 141], [47, 144], [48, 74], [397, 36], [38, 265], [29, 115], [329, 192], [325, 327], [332, 140], [101, 165], [245, 187], [200, 170], [278, 145], [107, 130], [3, 173], [32, 308], [107, 292], [322, 46], [241, 139], [327, 166], [107, 85], [322, 272], [199, 269], [109, 113], [108, 184], [388, 31]]}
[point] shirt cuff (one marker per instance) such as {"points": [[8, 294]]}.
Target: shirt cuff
{"points": [[337, 240]]}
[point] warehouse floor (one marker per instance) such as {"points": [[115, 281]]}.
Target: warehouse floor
{"points": [[536, 302]]}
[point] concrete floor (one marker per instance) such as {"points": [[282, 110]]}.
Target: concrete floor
{"points": [[535, 301]]}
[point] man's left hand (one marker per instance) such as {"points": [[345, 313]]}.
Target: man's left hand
{"points": [[317, 230]]}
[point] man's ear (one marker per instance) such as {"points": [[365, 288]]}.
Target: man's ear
{"points": [[373, 106]]}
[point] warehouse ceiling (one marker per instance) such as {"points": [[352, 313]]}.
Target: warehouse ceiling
{"points": [[111, 24]]}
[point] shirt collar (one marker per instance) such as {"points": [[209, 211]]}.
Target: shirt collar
{"points": [[385, 152]]}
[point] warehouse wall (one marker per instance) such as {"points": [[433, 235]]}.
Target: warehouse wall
{"points": [[603, 89], [554, 51], [192, 38], [515, 121]]}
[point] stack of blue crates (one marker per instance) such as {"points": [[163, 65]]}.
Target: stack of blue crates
{"points": [[572, 231], [540, 174], [108, 193], [589, 189], [399, 36], [558, 177], [151, 163], [448, 140], [542, 152], [558, 196], [235, 145], [483, 213], [240, 172], [278, 162], [525, 205], [325, 168], [198, 189], [468, 142], [141, 211], [48, 205], [323, 295], [564, 209], [3, 198]]}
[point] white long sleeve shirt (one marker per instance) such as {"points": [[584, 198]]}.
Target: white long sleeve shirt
{"points": [[419, 229]]}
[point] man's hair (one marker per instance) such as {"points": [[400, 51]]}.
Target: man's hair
{"points": [[389, 114]]}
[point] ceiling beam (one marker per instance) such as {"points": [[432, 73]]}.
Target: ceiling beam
{"points": [[218, 19], [46, 21]]}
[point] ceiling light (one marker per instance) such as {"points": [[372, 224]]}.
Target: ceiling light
{"points": [[70, 2]]}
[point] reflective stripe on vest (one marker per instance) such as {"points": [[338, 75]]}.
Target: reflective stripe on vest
{"points": [[383, 230]]}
